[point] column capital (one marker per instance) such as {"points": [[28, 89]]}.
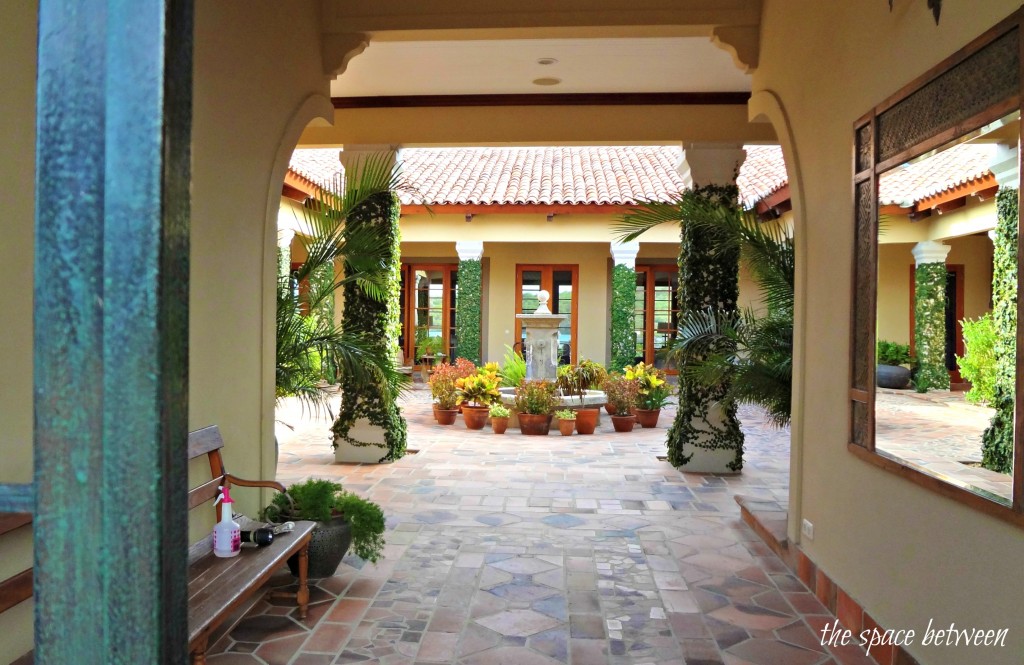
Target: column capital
{"points": [[624, 253], [355, 155], [469, 250], [1004, 166], [284, 236], [930, 251], [705, 164]]}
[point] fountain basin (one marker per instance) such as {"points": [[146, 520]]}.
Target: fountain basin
{"points": [[592, 399]]}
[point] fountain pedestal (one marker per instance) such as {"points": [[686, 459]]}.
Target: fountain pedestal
{"points": [[541, 348]]}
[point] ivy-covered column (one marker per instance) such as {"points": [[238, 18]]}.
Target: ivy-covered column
{"points": [[930, 316], [705, 437], [284, 251], [622, 331], [469, 302], [997, 442], [370, 426]]}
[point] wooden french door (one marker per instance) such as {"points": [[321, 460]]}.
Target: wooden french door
{"points": [[561, 281], [428, 305], [656, 311]]}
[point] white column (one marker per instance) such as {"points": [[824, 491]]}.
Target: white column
{"points": [[705, 164], [284, 247], [1004, 166], [469, 250], [354, 156], [624, 253], [930, 251]]}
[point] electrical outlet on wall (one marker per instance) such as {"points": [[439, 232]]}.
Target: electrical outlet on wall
{"points": [[807, 529]]}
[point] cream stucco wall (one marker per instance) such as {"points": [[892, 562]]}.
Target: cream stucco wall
{"points": [[17, 168], [905, 553]]}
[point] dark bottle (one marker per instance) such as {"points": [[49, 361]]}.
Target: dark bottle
{"points": [[262, 537]]}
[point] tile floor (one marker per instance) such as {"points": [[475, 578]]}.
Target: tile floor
{"points": [[512, 550]]}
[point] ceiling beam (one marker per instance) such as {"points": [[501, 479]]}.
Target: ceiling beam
{"points": [[565, 99]]}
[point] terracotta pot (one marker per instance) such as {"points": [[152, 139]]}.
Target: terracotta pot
{"points": [[532, 424], [610, 409], [623, 423], [586, 420], [648, 417], [434, 405], [499, 425], [475, 416], [446, 416], [566, 427]]}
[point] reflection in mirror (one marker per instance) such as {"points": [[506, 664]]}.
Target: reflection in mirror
{"points": [[946, 317]]}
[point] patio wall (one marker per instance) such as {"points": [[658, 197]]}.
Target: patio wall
{"points": [[904, 553]]}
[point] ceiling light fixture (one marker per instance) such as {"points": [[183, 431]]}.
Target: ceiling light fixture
{"points": [[546, 61], [547, 80]]}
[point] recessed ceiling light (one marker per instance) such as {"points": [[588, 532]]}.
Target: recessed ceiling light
{"points": [[548, 80], [546, 61]]}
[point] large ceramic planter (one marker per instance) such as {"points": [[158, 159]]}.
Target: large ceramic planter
{"points": [[327, 547], [446, 416], [475, 417], [623, 423], [499, 425], [586, 420], [648, 417], [532, 424], [892, 376], [566, 427]]}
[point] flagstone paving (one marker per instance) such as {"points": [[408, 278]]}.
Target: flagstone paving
{"points": [[505, 549]]}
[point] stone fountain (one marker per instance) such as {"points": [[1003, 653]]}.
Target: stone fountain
{"points": [[541, 352]]}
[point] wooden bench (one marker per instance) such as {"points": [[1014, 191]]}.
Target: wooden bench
{"points": [[216, 586], [18, 588]]}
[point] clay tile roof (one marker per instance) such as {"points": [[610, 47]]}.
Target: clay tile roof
{"points": [[604, 175], [906, 185]]}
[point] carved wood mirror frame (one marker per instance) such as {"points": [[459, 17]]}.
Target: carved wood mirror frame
{"points": [[972, 88]]}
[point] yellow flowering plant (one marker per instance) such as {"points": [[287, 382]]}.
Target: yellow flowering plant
{"points": [[652, 387]]}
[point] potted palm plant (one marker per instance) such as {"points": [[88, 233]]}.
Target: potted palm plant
{"points": [[535, 400], [343, 520], [499, 418], [476, 393], [566, 421], [622, 395], [653, 392], [442, 389]]}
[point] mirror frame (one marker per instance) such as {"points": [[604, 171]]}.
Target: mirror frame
{"points": [[975, 86]]}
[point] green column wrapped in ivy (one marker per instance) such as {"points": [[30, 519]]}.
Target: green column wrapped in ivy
{"points": [[997, 442], [623, 338], [708, 278], [468, 309], [378, 321], [930, 327], [322, 278]]}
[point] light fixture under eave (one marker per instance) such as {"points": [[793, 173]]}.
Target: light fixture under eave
{"points": [[546, 61], [547, 80]]}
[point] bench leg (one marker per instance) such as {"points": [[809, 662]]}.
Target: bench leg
{"points": [[302, 595], [199, 655]]}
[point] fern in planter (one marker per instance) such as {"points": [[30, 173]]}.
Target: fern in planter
{"points": [[323, 500]]}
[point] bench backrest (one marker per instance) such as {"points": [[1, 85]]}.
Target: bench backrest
{"points": [[18, 588], [206, 441]]}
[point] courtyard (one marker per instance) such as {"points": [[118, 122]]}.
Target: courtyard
{"points": [[504, 549]]}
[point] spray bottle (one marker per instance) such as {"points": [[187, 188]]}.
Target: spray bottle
{"points": [[227, 536]]}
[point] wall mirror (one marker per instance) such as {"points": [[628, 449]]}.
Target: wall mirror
{"points": [[934, 392]]}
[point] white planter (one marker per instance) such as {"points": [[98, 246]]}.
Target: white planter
{"points": [[361, 430], [709, 461]]}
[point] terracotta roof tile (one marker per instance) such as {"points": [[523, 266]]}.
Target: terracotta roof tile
{"points": [[608, 175], [906, 185]]}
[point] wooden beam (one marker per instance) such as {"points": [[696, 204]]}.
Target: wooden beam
{"points": [[301, 183], [564, 99], [15, 590], [984, 183], [951, 205], [289, 192], [11, 521]]}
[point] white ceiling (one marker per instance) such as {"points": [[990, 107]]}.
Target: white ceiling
{"points": [[657, 64]]}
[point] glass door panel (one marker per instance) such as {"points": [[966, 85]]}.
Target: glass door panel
{"points": [[561, 303], [428, 307], [560, 283], [640, 317]]}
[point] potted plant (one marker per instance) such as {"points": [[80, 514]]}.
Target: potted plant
{"points": [[652, 392], [443, 390], [576, 380], [894, 362], [476, 393], [535, 400], [622, 395], [343, 519], [566, 421], [499, 418], [428, 350]]}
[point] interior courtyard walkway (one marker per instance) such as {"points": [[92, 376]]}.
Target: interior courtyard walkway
{"points": [[512, 550]]}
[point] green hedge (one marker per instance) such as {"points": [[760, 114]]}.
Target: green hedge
{"points": [[622, 335], [706, 279], [997, 442], [468, 309], [378, 319], [930, 327]]}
